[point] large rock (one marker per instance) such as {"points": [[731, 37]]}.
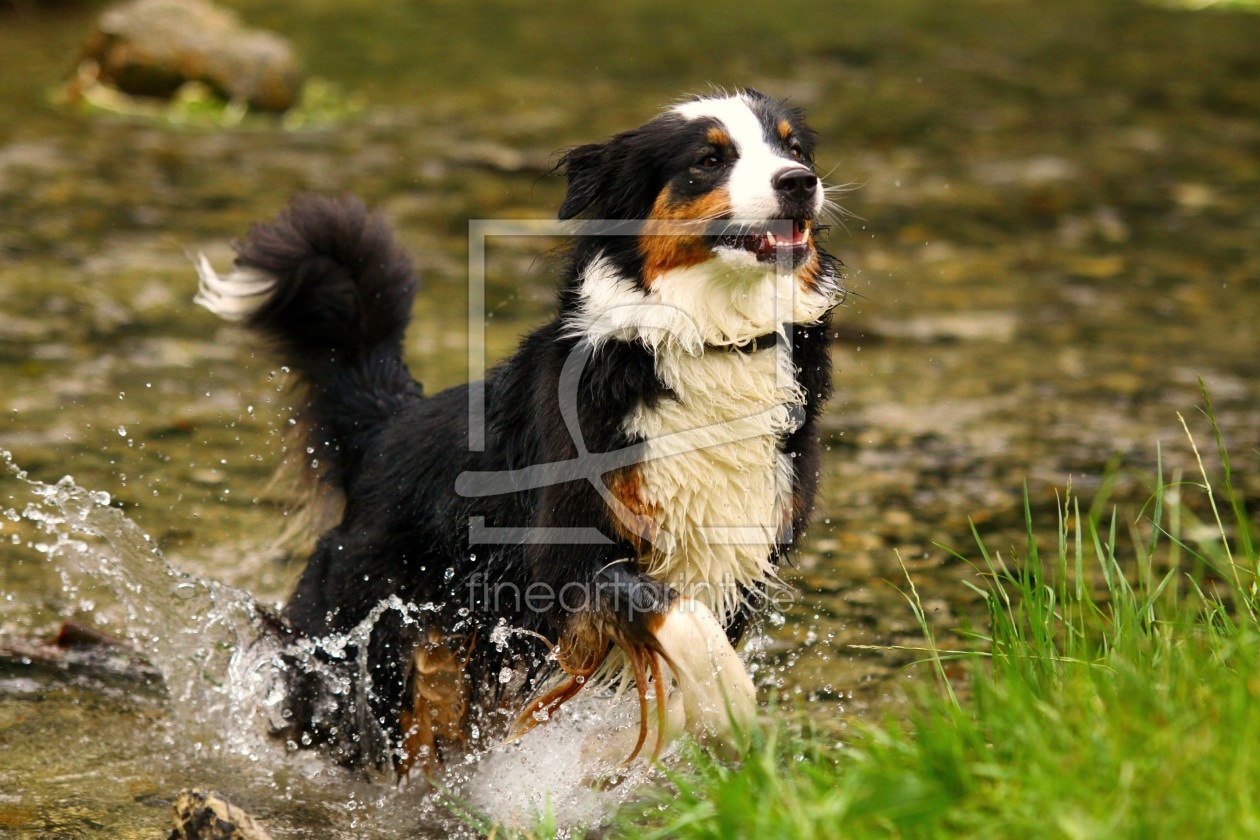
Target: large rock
{"points": [[152, 47]]}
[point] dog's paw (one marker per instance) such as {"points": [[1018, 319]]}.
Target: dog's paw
{"points": [[675, 653], [695, 684], [718, 697]]}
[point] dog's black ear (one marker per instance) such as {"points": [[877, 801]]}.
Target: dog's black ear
{"points": [[586, 167]]}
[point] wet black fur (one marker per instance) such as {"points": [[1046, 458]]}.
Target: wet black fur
{"points": [[341, 303]]}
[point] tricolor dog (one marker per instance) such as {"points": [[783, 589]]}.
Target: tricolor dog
{"points": [[607, 508]]}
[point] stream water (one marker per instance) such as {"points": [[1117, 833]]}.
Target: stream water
{"points": [[1056, 214]]}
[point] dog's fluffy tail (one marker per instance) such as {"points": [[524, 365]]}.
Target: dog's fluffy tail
{"points": [[326, 285]]}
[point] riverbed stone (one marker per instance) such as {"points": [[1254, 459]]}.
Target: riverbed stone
{"points": [[153, 47], [206, 815]]}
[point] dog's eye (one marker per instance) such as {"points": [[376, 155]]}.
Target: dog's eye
{"points": [[797, 153], [709, 161]]}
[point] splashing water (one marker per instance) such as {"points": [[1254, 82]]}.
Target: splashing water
{"points": [[223, 677], [198, 633]]}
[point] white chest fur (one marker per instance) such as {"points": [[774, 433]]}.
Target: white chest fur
{"points": [[714, 477]]}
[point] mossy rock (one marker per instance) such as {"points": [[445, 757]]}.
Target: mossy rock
{"points": [[154, 47]]}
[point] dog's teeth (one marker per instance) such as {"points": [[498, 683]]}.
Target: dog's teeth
{"points": [[770, 237]]}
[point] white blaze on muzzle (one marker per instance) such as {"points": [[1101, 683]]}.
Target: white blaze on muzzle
{"points": [[751, 182]]}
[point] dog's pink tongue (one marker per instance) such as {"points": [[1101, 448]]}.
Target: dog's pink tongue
{"points": [[772, 242]]}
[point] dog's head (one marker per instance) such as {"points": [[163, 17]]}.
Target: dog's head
{"points": [[728, 178]]}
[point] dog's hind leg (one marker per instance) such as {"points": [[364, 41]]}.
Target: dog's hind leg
{"points": [[435, 701]]}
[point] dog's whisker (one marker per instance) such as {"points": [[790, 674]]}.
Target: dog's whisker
{"points": [[827, 174]]}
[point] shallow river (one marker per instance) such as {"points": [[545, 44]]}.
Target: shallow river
{"points": [[1055, 209]]}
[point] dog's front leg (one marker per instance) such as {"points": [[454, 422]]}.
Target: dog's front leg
{"points": [[673, 647], [718, 696]]}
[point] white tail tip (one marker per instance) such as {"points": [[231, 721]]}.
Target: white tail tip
{"points": [[236, 295]]}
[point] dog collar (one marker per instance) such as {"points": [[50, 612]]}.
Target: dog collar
{"points": [[752, 345]]}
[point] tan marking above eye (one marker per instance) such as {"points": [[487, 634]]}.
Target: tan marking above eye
{"points": [[785, 129], [717, 137]]}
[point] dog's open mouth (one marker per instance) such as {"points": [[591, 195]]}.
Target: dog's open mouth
{"points": [[783, 240]]}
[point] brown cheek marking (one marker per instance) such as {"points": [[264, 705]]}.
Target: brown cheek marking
{"points": [[627, 486], [807, 275], [785, 129], [663, 247]]}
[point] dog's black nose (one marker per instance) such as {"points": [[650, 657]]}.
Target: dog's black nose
{"points": [[796, 183]]}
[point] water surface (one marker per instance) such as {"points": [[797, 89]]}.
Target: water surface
{"points": [[1056, 210]]}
